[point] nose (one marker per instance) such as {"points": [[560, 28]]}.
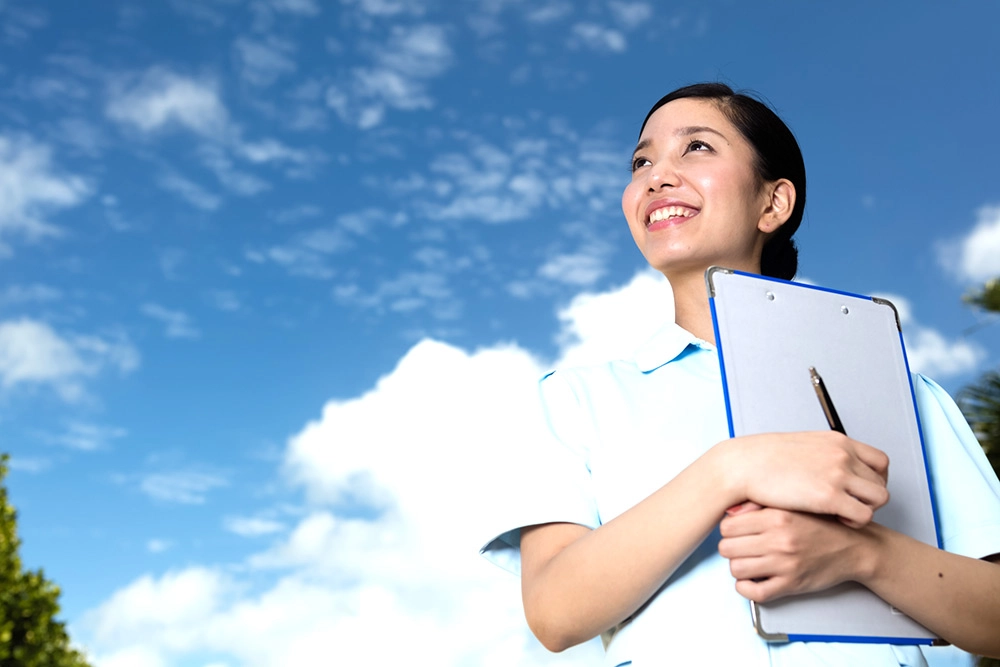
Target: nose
{"points": [[663, 174]]}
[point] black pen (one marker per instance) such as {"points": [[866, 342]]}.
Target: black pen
{"points": [[825, 402]]}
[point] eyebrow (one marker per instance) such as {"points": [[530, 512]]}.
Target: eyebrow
{"points": [[682, 132]]}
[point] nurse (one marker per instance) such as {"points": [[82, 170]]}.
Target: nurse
{"points": [[651, 527]]}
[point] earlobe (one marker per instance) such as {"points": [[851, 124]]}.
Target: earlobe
{"points": [[781, 202]]}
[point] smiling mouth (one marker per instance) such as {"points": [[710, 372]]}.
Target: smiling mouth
{"points": [[671, 213]]}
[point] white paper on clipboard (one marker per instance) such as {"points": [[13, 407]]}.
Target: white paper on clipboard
{"points": [[769, 332]]}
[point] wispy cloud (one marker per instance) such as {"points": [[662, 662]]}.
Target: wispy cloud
{"points": [[31, 188], [263, 61], [32, 353], [189, 191], [185, 487], [87, 437], [598, 38], [178, 323], [975, 257], [159, 99], [35, 293], [396, 78], [253, 526]]}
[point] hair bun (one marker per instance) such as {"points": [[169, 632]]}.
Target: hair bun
{"points": [[780, 259]]}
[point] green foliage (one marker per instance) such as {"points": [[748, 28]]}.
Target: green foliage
{"points": [[987, 298], [29, 634], [980, 402]]}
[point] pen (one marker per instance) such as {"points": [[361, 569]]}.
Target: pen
{"points": [[825, 402]]}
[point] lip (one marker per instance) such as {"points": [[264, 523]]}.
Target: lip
{"points": [[663, 203]]}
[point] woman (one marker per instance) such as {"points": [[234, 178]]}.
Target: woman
{"points": [[648, 511]]}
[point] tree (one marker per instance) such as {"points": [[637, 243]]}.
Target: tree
{"points": [[30, 636], [980, 402]]}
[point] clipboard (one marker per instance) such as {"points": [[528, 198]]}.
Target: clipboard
{"points": [[769, 332]]}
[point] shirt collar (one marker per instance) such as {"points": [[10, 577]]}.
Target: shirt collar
{"points": [[666, 345]]}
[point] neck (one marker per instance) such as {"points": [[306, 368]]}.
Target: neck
{"points": [[691, 309]]}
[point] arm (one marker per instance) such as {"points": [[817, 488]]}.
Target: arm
{"points": [[774, 553], [578, 582]]}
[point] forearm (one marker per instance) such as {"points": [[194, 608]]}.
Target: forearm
{"points": [[602, 577], [956, 597]]}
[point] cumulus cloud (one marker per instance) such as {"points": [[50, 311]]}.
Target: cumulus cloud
{"points": [[32, 188], [421, 457], [32, 353], [975, 257], [929, 351], [178, 323]]}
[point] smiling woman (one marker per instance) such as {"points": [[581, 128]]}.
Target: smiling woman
{"points": [[653, 527]]}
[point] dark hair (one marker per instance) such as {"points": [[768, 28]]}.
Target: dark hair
{"points": [[777, 156]]}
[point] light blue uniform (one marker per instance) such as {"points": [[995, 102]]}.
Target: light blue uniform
{"points": [[621, 430]]}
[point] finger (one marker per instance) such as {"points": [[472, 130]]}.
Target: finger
{"points": [[875, 495], [763, 590], [874, 458], [756, 568], [747, 546], [747, 506]]}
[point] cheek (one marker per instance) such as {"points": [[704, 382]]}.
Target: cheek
{"points": [[629, 201]]}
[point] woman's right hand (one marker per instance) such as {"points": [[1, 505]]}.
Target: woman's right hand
{"points": [[823, 472]]}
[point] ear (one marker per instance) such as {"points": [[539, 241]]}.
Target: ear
{"points": [[780, 203]]}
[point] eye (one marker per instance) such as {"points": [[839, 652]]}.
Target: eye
{"points": [[698, 145], [638, 162]]}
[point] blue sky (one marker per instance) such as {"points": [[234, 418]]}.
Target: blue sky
{"points": [[278, 276]]}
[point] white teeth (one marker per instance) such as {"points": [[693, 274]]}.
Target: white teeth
{"points": [[670, 212]]}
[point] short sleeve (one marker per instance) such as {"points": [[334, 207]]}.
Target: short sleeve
{"points": [[553, 481], [966, 490]]}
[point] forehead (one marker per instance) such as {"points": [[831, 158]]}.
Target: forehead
{"points": [[689, 112]]}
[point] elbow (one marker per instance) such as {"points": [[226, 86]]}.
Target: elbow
{"points": [[554, 635]]}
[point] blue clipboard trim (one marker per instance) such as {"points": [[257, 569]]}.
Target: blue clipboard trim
{"points": [[722, 367], [923, 446], [852, 639]]}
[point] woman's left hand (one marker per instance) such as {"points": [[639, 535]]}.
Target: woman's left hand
{"points": [[773, 553]]}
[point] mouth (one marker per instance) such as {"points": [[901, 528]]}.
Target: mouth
{"points": [[670, 214]]}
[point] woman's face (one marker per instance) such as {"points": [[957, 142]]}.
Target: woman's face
{"points": [[695, 199]]}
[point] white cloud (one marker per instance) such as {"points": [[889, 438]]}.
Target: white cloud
{"points": [[88, 437], [36, 293], [187, 487], [397, 79], [178, 323], [161, 98], [158, 546], [235, 180], [31, 188], [190, 191], [409, 563], [976, 256], [302, 7], [598, 38], [224, 300], [253, 526], [496, 185], [928, 351], [549, 11], [581, 269], [631, 15], [32, 353], [262, 62]]}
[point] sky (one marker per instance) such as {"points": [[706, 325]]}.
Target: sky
{"points": [[277, 278]]}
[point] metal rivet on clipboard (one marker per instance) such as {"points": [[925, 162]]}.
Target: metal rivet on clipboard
{"points": [[769, 295]]}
